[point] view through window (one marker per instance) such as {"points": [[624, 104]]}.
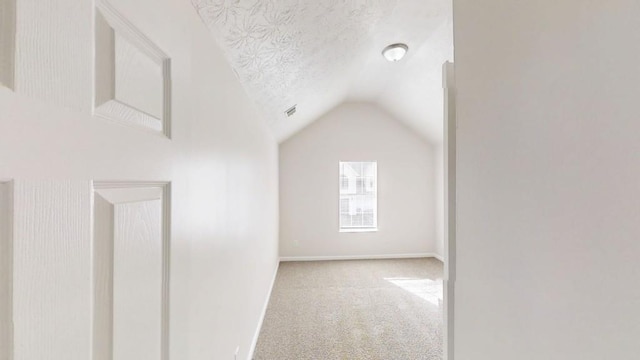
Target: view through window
{"points": [[358, 195]]}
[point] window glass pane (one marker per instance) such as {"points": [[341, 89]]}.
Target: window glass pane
{"points": [[358, 194]]}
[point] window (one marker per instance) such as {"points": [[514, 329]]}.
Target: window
{"points": [[344, 182], [358, 196], [344, 206]]}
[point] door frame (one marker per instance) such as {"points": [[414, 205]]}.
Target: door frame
{"points": [[449, 164]]}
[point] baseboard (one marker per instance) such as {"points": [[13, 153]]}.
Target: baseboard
{"points": [[264, 311], [360, 257], [439, 257]]}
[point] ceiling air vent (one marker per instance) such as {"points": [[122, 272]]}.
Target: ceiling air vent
{"points": [[290, 111]]}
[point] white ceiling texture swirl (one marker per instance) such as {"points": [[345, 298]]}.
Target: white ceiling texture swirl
{"points": [[317, 54]]}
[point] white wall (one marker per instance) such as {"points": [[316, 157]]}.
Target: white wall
{"points": [[309, 192], [221, 162], [548, 179]]}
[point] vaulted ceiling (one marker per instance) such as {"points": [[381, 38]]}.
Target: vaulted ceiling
{"points": [[317, 54]]}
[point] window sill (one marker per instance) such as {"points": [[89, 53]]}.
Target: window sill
{"points": [[358, 230]]}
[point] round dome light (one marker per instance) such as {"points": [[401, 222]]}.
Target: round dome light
{"points": [[395, 52]]}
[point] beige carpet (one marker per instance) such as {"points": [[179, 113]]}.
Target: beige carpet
{"points": [[351, 310]]}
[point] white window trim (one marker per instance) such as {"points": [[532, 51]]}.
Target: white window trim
{"points": [[355, 229], [358, 230]]}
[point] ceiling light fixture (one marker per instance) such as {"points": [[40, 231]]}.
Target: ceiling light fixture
{"points": [[395, 52]]}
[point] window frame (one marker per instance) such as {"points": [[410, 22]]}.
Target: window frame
{"points": [[365, 185]]}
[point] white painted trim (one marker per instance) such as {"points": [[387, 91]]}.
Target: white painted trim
{"points": [[114, 109], [7, 43], [254, 342], [358, 230], [360, 257], [6, 236], [450, 225], [119, 192], [439, 257]]}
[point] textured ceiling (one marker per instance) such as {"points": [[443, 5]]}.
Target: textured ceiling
{"points": [[320, 53]]}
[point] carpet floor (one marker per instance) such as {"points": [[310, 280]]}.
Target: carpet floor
{"points": [[352, 310]]}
